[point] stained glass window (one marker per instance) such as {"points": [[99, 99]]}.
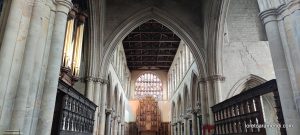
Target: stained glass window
{"points": [[148, 84]]}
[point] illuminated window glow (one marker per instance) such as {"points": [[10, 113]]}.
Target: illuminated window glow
{"points": [[148, 85]]}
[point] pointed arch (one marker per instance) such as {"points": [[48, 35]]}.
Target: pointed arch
{"points": [[245, 83], [115, 98], [179, 106], [173, 108], [143, 16], [186, 99], [195, 92]]}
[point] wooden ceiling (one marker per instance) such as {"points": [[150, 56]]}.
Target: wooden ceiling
{"points": [[150, 46]]}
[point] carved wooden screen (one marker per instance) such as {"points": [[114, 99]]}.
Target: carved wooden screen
{"points": [[243, 113], [73, 114], [148, 115]]}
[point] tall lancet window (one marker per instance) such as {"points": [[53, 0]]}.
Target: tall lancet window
{"points": [[147, 85], [73, 44]]}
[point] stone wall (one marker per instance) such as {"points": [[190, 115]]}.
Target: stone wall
{"points": [[243, 23], [244, 52]]}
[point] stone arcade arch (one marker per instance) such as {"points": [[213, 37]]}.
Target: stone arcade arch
{"points": [[143, 16], [195, 93], [268, 101], [247, 82], [186, 99]]}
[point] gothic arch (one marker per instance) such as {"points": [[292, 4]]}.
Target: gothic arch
{"points": [[120, 106], [186, 98], [173, 110], [195, 93], [143, 16], [215, 21], [115, 98], [247, 82], [179, 106], [268, 103]]}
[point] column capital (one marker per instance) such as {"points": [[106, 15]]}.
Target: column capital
{"points": [[216, 78], [186, 117], [108, 111], [101, 80], [280, 12], [63, 6], [94, 79], [268, 15], [87, 79], [211, 78]]}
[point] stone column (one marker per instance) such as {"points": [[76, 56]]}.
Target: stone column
{"points": [[36, 29], [122, 129], [194, 120], [290, 113], [216, 82], [112, 124], [211, 102], [107, 123], [290, 25], [11, 54], [119, 127], [186, 125], [103, 110], [174, 129], [97, 102], [90, 88], [116, 124], [203, 102], [52, 75], [179, 128]]}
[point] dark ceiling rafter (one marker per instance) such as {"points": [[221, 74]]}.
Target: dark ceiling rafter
{"points": [[150, 46]]}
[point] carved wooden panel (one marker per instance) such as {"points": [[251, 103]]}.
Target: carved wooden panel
{"points": [[237, 114], [148, 115], [74, 113]]}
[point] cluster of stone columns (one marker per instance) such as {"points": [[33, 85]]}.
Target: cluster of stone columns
{"points": [[114, 125], [282, 21], [209, 90], [181, 125], [30, 62]]}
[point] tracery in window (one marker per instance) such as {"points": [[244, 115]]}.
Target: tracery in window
{"points": [[148, 84]]}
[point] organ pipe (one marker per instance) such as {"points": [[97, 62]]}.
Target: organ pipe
{"points": [[78, 46]]}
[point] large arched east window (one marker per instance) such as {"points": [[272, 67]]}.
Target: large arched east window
{"points": [[148, 84]]}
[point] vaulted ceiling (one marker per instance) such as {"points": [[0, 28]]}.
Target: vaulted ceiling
{"points": [[150, 46]]}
